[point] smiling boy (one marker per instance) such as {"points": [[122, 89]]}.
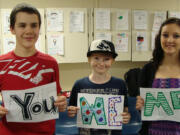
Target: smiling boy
{"points": [[25, 68]]}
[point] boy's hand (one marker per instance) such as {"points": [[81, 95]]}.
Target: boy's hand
{"points": [[72, 111], [139, 102], [3, 111], [126, 117], [61, 103]]}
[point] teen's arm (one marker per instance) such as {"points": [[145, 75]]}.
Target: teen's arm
{"points": [[61, 103], [72, 111], [139, 102], [126, 116]]}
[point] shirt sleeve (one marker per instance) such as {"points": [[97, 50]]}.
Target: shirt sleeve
{"points": [[56, 77], [124, 88], [73, 96]]}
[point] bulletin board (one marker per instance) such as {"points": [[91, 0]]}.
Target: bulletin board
{"points": [[108, 25], [74, 39], [145, 25]]}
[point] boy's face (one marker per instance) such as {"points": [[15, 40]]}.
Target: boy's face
{"points": [[26, 30], [100, 63]]}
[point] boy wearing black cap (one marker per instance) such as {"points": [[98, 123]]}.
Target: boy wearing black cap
{"points": [[101, 55]]}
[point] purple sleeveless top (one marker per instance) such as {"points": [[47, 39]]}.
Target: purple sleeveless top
{"points": [[165, 127]]}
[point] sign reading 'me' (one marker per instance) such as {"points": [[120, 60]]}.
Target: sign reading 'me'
{"points": [[161, 104], [31, 105], [100, 111]]}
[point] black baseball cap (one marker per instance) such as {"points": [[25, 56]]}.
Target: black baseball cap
{"points": [[103, 46]]}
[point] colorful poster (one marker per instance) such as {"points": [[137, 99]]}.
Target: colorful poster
{"points": [[141, 41], [122, 42], [100, 111]]}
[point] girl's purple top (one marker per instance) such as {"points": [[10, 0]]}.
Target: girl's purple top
{"points": [[165, 127]]}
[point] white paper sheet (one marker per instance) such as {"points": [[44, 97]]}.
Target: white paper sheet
{"points": [[31, 105], [159, 18], [54, 20], [55, 44], [38, 44], [6, 22], [153, 36], [9, 43], [174, 14], [160, 104], [102, 19], [76, 21], [140, 19], [104, 36], [100, 111], [122, 20]]}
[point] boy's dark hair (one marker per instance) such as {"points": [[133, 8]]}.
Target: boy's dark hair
{"points": [[23, 7], [158, 53]]}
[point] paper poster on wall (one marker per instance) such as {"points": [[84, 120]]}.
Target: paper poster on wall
{"points": [[6, 22], [153, 36], [159, 18], [141, 41], [100, 111], [160, 104], [174, 14], [9, 43], [122, 42], [55, 44], [76, 23], [54, 20], [102, 19], [38, 44], [122, 22], [140, 19], [104, 36], [31, 105]]}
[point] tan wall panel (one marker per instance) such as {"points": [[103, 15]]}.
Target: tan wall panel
{"points": [[71, 72]]}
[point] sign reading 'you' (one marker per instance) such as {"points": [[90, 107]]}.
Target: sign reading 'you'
{"points": [[31, 105]]}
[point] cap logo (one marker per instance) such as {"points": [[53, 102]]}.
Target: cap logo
{"points": [[104, 46]]}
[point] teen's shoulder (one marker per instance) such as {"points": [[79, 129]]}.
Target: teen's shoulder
{"points": [[117, 79], [46, 57], [6, 56]]}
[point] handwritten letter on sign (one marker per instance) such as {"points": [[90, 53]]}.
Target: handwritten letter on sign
{"points": [[161, 104], [31, 105], [100, 111]]}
